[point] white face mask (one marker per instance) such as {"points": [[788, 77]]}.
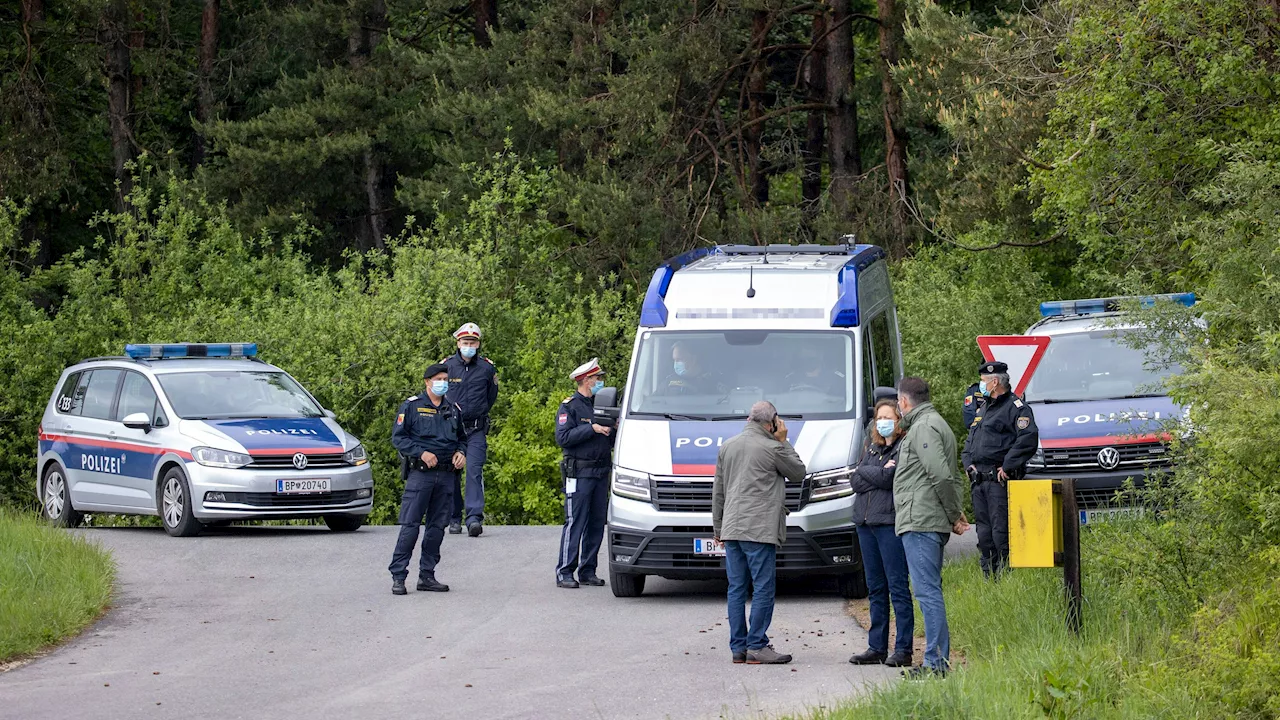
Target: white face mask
{"points": [[885, 427], [439, 387], [468, 352]]}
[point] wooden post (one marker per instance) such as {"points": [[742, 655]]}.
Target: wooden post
{"points": [[1071, 555]]}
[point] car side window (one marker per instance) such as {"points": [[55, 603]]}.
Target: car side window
{"points": [[68, 402], [882, 350], [101, 393], [136, 396]]}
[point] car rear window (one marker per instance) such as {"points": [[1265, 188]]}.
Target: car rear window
{"points": [[101, 393], [69, 401]]}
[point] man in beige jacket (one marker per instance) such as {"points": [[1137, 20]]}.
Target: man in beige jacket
{"points": [[749, 514]]}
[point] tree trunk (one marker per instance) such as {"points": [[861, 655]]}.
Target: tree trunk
{"points": [[895, 131], [486, 21], [32, 12], [816, 127], [843, 152], [371, 25], [208, 55], [757, 105], [115, 41]]}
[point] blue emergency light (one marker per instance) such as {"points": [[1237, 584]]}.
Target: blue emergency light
{"points": [[1058, 308], [191, 350]]}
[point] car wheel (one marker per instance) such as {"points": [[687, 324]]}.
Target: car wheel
{"points": [[626, 584], [174, 504], [344, 523], [55, 499], [853, 586]]}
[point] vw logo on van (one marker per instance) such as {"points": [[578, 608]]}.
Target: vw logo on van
{"points": [[300, 461], [1109, 458]]}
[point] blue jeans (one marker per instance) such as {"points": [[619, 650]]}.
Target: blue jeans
{"points": [[756, 563], [426, 495], [477, 451], [924, 560], [885, 564]]}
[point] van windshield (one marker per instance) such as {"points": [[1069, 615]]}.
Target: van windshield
{"points": [[1097, 365], [220, 395], [720, 374]]}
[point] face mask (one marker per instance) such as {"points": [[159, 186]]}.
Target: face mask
{"points": [[678, 366], [597, 386], [468, 352], [982, 387], [885, 427], [439, 387]]}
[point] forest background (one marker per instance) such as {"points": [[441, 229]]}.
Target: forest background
{"points": [[346, 181]]}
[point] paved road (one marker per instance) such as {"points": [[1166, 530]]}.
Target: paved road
{"points": [[274, 622]]}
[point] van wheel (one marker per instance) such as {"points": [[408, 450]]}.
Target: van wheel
{"points": [[626, 584], [174, 505], [344, 523], [55, 499], [852, 586]]}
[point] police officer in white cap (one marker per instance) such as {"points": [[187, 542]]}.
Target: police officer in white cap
{"points": [[473, 385], [588, 447]]}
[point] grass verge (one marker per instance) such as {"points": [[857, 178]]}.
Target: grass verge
{"points": [[52, 584]]}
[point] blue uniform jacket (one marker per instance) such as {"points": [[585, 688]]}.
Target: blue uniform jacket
{"points": [[472, 385], [589, 449], [422, 427]]}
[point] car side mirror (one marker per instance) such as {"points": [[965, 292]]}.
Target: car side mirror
{"points": [[330, 414], [607, 398], [606, 407], [137, 421]]}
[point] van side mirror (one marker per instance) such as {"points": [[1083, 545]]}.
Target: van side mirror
{"points": [[607, 407], [137, 421], [330, 414], [607, 398]]}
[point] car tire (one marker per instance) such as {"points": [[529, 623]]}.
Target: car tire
{"points": [[626, 584], [55, 499], [344, 523], [173, 502], [852, 586]]}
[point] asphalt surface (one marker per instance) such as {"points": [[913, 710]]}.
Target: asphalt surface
{"points": [[271, 622]]}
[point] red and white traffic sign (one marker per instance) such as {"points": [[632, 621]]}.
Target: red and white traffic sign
{"points": [[1022, 353]]}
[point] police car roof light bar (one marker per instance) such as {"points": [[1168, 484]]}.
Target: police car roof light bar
{"points": [[191, 350], [1059, 308], [654, 311], [845, 312]]}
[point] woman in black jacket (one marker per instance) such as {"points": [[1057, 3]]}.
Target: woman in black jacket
{"points": [[883, 558]]}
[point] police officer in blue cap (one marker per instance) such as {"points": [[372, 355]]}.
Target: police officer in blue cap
{"points": [[473, 385], [588, 447], [428, 433]]}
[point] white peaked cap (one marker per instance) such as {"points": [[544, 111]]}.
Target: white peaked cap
{"points": [[590, 367]]}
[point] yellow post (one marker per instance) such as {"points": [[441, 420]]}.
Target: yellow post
{"points": [[1035, 524]]}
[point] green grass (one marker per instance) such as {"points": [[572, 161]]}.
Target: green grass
{"points": [[52, 583]]}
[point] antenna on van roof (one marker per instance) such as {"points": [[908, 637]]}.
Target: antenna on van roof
{"points": [[751, 281]]}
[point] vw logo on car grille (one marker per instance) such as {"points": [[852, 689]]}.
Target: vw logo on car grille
{"points": [[300, 461], [1109, 458]]}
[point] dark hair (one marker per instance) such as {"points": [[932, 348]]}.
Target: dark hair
{"points": [[916, 389]]}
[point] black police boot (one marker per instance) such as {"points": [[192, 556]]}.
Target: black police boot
{"points": [[591, 580], [455, 528], [567, 583], [397, 587], [899, 659], [430, 584], [867, 657], [475, 528]]}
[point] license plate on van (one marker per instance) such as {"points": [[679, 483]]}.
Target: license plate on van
{"points": [[295, 486], [1098, 515], [708, 546]]}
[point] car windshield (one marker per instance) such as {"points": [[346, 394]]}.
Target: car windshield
{"points": [[1097, 365], [720, 374], [219, 395]]}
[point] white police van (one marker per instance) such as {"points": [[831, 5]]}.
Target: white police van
{"points": [[1100, 403], [197, 434], [811, 328]]}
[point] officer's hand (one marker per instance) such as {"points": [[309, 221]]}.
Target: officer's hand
{"points": [[459, 460], [601, 429], [430, 460], [1001, 475]]}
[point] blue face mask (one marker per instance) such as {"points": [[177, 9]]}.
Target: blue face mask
{"points": [[597, 386], [468, 352], [678, 367], [885, 427], [439, 387], [982, 388]]}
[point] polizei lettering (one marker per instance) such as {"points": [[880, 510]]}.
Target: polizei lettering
{"points": [[101, 463], [701, 442], [1108, 418], [285, 431]]}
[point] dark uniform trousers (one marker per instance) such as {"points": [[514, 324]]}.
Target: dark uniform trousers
{"points": [[991, 511], [426, 494], [477, 451], [585, 512]]}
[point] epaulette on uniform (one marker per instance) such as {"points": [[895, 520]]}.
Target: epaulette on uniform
{"points": [[568, 399], [1017, 403], [411, 398]]}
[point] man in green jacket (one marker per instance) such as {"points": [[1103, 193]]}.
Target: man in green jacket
{"points": [[749, 515], [926, 498]]}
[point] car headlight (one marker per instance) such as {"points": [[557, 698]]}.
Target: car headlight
{"points": [[355, 456], [213, 457], [1037, 460], [630, 484], [830, 484]]}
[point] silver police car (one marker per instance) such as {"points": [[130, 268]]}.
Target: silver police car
{"points": [[199, 435]]}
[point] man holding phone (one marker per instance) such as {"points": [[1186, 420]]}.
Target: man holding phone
{"points": [[749, 514]]}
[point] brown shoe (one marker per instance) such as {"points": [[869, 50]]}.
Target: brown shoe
{"points": [[767, 656]]}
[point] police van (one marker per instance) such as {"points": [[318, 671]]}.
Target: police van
{"points": [[1100, 402], [811, 328], [197, 434]]}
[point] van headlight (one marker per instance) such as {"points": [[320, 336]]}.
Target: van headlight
{"points": [[213, 457], [1037, 460], [830, 484], [355, 456], [628, 484]]}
